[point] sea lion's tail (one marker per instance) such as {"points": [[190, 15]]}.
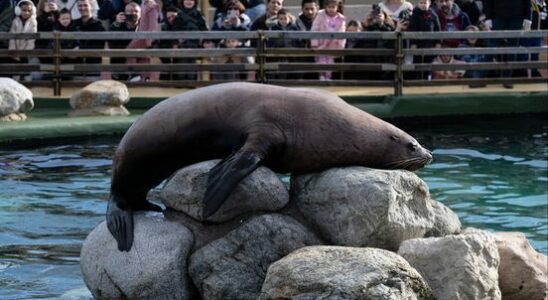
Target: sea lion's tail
{"points": [[120, 224]]}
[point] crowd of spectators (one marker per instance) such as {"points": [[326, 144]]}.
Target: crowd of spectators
{"points": [[29, 16]]}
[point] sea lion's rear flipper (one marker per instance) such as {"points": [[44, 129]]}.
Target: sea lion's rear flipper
{"points": [[120, 225], [225, 176]]}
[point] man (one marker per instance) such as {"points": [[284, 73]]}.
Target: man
{"points": [[126, 21], [451, 18], [309, 10], [508, 15], [269, 18], [87, 23]]}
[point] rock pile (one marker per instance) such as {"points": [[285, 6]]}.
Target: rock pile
{"points": [[345, 233], [100, 98], [15, 100]]}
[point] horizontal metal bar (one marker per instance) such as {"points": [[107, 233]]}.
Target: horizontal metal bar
{"points": [[158, 52], [111, 35], [474, 66], [462, 51]]}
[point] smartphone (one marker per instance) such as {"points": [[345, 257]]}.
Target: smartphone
{"points": [[231, 13], [376, 9]]}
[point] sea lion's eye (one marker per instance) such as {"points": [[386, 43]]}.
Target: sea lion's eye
{"points": [[395, 138], [412, 146]]}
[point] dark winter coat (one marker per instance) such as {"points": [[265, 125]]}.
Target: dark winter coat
{"points": [[507, 9]]}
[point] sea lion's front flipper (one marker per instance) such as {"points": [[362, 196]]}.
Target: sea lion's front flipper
{"points": [[120, 225], [225, 176]]}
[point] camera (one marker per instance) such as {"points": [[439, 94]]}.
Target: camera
{"points": [[404, 15], [131, 18], [375, 9]]}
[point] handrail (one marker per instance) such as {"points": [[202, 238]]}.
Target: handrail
{"points": [[267, 59]]}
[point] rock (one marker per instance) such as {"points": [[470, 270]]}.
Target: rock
{"points": [[332, 272], [446, 221], [522, 270], [262, 190], [103, 97], [154, 268], [461, 266], [358, 206], [15, 100], [234, 267]]}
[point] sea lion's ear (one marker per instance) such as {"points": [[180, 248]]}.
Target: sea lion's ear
{"points": [[395, 137]]}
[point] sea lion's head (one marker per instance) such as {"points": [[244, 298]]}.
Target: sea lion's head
{"points": [[406, 153]]}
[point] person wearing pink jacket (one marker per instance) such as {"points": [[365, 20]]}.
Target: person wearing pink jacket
{"points": [[331, 20], [150, 11]]}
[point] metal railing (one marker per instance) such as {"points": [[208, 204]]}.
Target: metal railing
{"points": [[268, 62]]}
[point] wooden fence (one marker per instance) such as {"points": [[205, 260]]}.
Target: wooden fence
{"points": [[283, 66]]}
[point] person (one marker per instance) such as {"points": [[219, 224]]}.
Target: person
{"points": [[253, 8], [46, 16], [230, 59], [378, 20], [87, 23], [269, 17], [232, 18], [24, 22], [393, 8], [72, 6], [451, 18], [424, 19], [328, 19], [507, 15], [354, 43], [539, 16], [447, 74], [473, 58], [285, 22], [109, 9], [309, 10], [189, 19], [472, 10]]}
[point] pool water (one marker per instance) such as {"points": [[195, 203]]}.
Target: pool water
{"points": [[492, 173]]}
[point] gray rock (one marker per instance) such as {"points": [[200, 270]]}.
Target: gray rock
{"points": [[262, 190], [456, 267], [358, 206], [154, 268], [102, 97], [522, 270], [446, 221], [332, 272], [234, 267], [15, 100]]}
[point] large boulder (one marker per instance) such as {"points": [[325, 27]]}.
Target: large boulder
{"points": [[103, 97], [15, 100], [154, 268], [332, 272], [463, 266], [234, 267], [446, 221], [262, 190], [358, 206], [522, 270]]}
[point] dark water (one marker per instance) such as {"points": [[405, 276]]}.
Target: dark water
{"points": [[492, 173]]}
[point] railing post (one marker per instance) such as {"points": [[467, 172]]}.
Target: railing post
{"points": [[57, 64], [398, 75], [261, 45]]}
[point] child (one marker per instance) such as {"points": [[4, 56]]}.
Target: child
{"points": [[473, 58], [447, 74], [64, 23], [24, 22], [328, 19], [285, 21]]}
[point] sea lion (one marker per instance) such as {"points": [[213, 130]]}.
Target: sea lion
{"points": [[289, 130]]}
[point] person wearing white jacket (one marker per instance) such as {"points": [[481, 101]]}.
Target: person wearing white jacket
{"points": [[24, 22]]}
